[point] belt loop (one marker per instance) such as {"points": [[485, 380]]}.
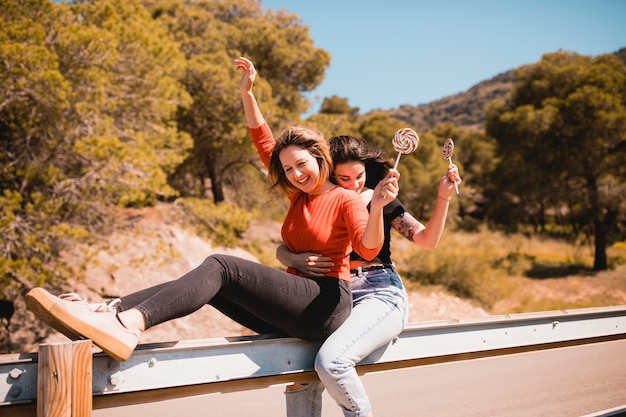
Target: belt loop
{"points": [[359, 271]]}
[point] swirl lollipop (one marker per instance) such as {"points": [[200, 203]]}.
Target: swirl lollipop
{"points": [[405, 141], [448, 150]]}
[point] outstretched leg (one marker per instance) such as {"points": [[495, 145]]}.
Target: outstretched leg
{"points": [[308, 308]]}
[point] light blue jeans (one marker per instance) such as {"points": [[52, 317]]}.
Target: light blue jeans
{"points": [[379, 313]]}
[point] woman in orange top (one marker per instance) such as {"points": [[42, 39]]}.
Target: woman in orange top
{"points": [[322, 218]]}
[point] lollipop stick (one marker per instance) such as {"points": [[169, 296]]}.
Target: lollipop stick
{"points": [[456, 186], [397, 160]]}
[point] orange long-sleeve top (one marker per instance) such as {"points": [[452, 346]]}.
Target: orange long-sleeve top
{"points": [[331, 224]]}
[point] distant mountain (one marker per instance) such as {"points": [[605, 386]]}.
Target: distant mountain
{"points": [[466, 110]]}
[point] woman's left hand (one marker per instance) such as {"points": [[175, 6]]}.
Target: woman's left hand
{"points": [[448, 180]]}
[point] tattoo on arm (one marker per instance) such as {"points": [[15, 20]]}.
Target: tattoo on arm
{"points": [[407, 225]]}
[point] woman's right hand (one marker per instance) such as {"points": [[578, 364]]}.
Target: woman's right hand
{"points": [[308, 263], [312, 264], [249, 74], [254, 117]]}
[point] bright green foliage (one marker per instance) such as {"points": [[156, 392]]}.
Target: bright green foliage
{"points": [[561, 139]]}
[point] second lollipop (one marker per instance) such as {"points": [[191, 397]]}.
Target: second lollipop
{"points": [[448, 150]]}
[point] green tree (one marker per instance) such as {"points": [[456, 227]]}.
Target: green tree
{"points": [[338, 105], [128, 101], [474, 154], [88, 95], [212, 34], [561, 137], [336, 117], [34, 100]]}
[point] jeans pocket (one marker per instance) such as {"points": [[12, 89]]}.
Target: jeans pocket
{"points": [[378, 278]]}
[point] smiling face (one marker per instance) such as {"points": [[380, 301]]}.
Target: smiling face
{"points": [[350, 175], [301, 168], [301, 162]]}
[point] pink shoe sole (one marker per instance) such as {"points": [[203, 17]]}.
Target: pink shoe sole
{"points": [[41, 306]]}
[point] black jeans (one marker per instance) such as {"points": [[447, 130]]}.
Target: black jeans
{"points": [[264, 299]]}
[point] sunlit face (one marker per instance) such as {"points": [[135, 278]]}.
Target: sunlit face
{"points": [[350, 175], [301, 168]]}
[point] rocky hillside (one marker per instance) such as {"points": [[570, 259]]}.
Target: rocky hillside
{"points": [[467, 109]]}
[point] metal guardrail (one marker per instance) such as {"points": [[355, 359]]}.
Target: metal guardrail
{"points": [[227, 364]]}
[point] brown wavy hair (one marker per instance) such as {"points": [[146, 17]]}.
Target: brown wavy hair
{"points": [[305, 138]]}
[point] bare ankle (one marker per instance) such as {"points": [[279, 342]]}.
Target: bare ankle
{"points": [[132, 319]]}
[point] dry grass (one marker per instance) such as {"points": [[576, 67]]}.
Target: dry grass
{"points": [[514, 273]]}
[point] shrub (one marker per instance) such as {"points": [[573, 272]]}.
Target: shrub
{"points": [[223, 223]]}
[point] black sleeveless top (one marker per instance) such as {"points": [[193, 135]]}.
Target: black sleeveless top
{"points": [[390, 212]]}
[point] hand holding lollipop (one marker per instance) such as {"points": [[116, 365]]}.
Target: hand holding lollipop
{"points": [[405, 141], [448, 150]]}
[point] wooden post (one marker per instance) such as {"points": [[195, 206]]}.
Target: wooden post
{"points": [[82, 369], [64, 380]]}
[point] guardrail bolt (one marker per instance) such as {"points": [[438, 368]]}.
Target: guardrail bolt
{"points": [[152, 362], [15, 391], [112, 364], [15, 373], [114, 380], [554, 323]]}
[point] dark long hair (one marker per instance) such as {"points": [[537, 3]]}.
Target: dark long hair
{"points": [[346, 148]]}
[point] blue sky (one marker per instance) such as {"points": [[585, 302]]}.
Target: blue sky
{"points": [[387, 53]]}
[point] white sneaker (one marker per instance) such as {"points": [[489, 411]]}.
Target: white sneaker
{"points": [[78, 319]]}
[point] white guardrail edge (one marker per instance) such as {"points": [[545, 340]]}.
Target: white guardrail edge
{"points": [[203, 361]]}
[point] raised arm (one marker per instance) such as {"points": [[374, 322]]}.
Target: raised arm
{"points": [[254, 117], [428, 236], [260, 133]]}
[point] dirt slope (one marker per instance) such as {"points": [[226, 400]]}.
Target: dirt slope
{"points": [[150, 250]]}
